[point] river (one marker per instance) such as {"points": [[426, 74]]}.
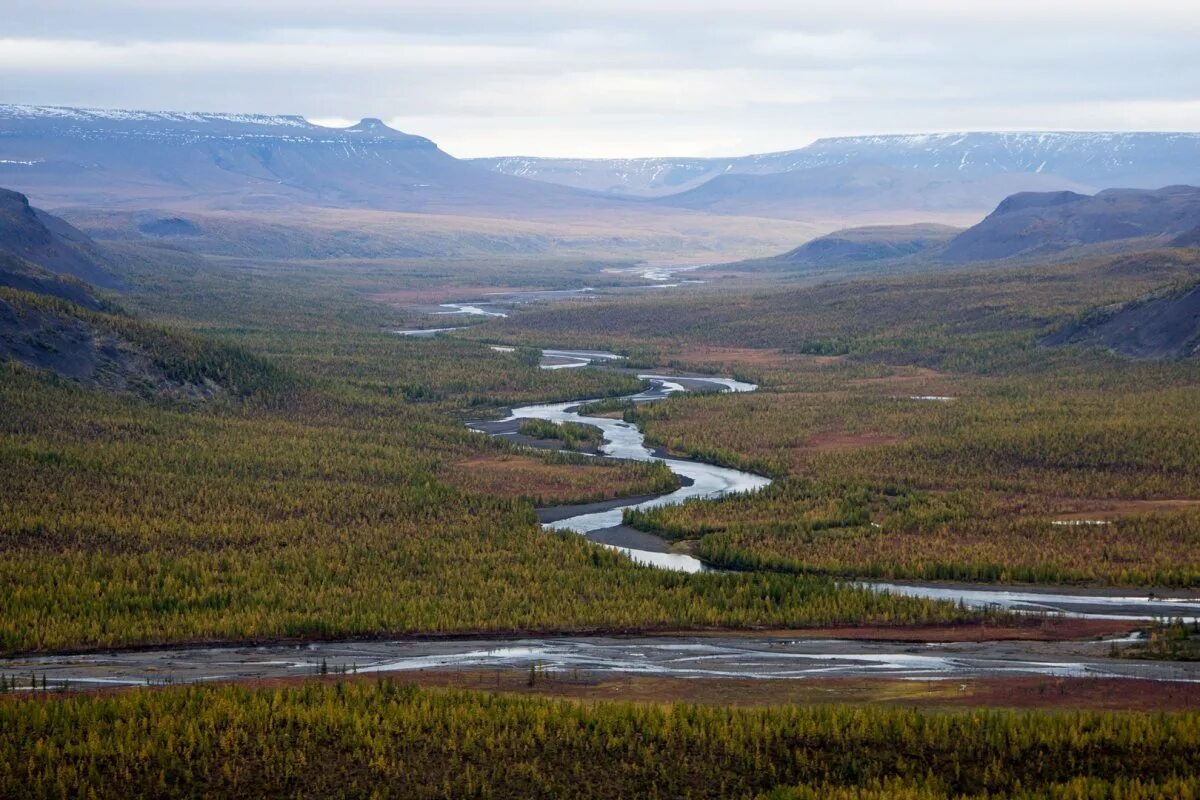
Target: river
{"points": [[601, 522], [683, 656]]}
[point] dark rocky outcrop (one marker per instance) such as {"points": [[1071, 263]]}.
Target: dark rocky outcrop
{"points": [[1165, 325]]}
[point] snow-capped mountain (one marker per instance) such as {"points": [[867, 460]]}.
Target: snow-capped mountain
{"points": [[1083, 160], [71, 156]]}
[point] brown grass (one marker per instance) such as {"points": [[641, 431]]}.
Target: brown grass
{"points": [[1111, 694], [527, 476]]}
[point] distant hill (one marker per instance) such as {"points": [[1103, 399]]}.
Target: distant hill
{"points": [[886, 177], [859, 191], [1037, 224], [869, 244], [1187, 238], [122, 159], [49, 242]]}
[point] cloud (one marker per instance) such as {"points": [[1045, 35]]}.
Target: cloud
{"points": [[623, 77]]}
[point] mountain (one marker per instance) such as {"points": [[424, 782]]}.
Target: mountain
{"points": [[1188, 238], [869, 244], [51, 243], [860, 191], [1037, 224], [135, 159], [1093, 160]]}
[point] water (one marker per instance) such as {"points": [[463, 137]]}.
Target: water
{"points": [[655, 655], [1120, 604], [624, 440], [467, 308], [427, 332]]}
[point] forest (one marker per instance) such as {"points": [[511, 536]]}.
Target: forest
{"points": [[382, 738], [344, 512]]}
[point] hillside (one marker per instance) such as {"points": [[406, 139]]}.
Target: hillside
{"points": [[34, 243], [117, 353], [70, 156], [867, 244], [1037, 224], [1165, 324], [51, 318]]}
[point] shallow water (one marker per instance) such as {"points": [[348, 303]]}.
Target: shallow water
{"points": [[1097, 604], [664, 656], [624, 440], [467, 308]]}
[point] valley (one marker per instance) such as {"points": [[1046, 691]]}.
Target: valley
{"points": [[645, 474]]}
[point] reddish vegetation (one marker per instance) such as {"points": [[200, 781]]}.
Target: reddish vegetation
{"points": [[910, 379], [507, 475], [1107, 509], [833, 441], [1124, 694], [746, 358]]}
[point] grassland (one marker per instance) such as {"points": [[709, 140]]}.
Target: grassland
{"points": [[383, 739]]}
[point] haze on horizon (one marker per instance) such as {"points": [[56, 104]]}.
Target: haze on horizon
{"points": [[622, 78]]}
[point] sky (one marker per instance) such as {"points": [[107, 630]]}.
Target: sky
{"points": [[622, 78]]}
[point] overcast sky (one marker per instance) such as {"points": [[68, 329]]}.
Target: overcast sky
{"points": [[622, 77]]}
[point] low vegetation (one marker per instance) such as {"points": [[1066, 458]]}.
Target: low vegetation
{"points": [[384, 739], [557, 478], [574, 435], [126, 522], [916, 428]]}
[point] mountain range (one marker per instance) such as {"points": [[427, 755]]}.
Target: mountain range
{"points": [[1097, 160], [70, 157], [885, 177], [122, 159]]}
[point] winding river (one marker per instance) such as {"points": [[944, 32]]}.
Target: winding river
{"points": [[624, 440], [601, 522]]}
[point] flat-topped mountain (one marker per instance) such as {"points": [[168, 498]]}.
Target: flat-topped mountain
{"points": [[70, 156], [1034, 224], [1094, 160]]}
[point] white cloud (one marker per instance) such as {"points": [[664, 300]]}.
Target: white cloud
{"points": [[623, 77]]}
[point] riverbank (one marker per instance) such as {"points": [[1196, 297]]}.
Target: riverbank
{"points": [[1063, 694]]}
